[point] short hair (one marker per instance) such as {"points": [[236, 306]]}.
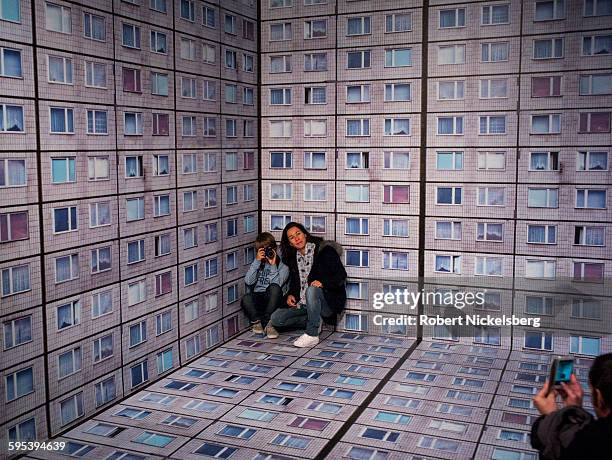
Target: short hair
{"points": [[600, 377], [265, 240]]}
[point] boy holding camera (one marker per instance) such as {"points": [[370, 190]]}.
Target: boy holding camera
{"points": [[266, 282]]}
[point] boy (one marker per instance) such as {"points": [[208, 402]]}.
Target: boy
{"points": [[266, 282]]}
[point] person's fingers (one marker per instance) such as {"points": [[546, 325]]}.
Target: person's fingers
{"points": [[543, 391]]}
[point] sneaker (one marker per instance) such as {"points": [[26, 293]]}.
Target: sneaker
{"points": [[256, 328], [271, 332], [305, 341]]}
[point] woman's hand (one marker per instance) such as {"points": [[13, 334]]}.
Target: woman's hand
{"points": [[572, 392], [291, 301], [316, 283], [545, 400]]}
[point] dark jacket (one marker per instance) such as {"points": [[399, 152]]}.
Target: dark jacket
{"points": [[328, 269], [572, 433]]}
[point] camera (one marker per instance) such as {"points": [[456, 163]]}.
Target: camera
{"points": [[269, 252]]}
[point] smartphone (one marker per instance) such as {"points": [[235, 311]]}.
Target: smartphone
{"points": [[561, 370]]}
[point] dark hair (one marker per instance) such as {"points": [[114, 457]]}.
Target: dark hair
{"points": [[265, 240], [288, 252], [600, 377]]}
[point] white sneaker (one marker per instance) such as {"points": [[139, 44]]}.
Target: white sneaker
{"points": [[305, 341]]}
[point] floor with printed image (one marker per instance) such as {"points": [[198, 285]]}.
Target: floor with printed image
{"points": [[353, 396]]}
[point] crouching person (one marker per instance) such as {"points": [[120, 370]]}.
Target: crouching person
{"points": [[316, 284], [266, 281]]}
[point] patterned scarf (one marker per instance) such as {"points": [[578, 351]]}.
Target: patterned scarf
{"points": [[304, 263]]}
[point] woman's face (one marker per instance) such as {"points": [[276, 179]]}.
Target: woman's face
{"points": [[296, 238]]}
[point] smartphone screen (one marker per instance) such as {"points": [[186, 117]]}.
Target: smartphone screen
{"points": [[563, 371]]}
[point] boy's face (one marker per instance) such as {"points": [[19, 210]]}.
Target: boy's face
{"points": [[296, 238]]}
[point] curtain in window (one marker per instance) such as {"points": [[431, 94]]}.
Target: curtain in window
{"points": [[14, 118], [603, 44], [543, 49], [443, 263], [594, 237], [539, 124], [58, 120], [448, 18], [21, 278], [499, 52], [539, 160], [100, 123], [445, 125], [354, 26], [536, 234], [130, 123], [12, 63], [276, 96], [353, 128]]}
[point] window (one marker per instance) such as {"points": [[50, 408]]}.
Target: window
{"points": [[188, 87], [494, 88], [595, 84], [582, 345], [209, 53], [447, 264], [134, 208], [69, 362], [450, 126], [11, 119], [100, 260], [450, 90], [358, 127], [63, 170], [597, 8], [359, 26], [549, 10], [17, 331], [211, 268], [163, 245], [159, 5], [315, 224], [315, 95], [97, 122], [589, 235], [495, 14], [492, 124], [248, 30], [188, 126], [103, 348], [130, 36], [161, 205], [230, 24], [281, 31], [163, 322], [187, 10], [280, 64], [356, 226], [280, 128], [587, 308], [551, 48], [398, 22], [315, 128], [66, 268], [187, 49], [399, 57], [161, 165], [449, 161], [10, 62], [315, 29], [487, 231], [281, 3], [314, 160], [494, 52], [452, 18], [314, 62], [396, 194], [65, 219], [159, 84], [99, 214], [451, 54], [491, 196], [591, 199], [161, 124], [358, 59], [447, 230], [357, 160], [546, 124], [594, 122], [542, 269], [61, 120], [448, 195], [488, 266], [57, 18], [280, 96], [230, 59], [357, 258], [12, 172], [19, 384], [210, 198], [539, 305], [589, 272], [10, 11], [132, 123], [106, 391], [357, 193], [542, 234], [163, 283], [158, 42], [545, 86], [397, 126], [395, 260], [101, 303], [597, 45], [137, 292], [154, 439], [544, 161]]}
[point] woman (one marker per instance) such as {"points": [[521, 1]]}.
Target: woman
{"points": [[316, 283]]}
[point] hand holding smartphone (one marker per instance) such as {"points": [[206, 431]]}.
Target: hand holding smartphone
{"points": [[561, 371]]}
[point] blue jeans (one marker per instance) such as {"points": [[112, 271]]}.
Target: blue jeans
{"points": [[258, 306], [307, 317]]}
